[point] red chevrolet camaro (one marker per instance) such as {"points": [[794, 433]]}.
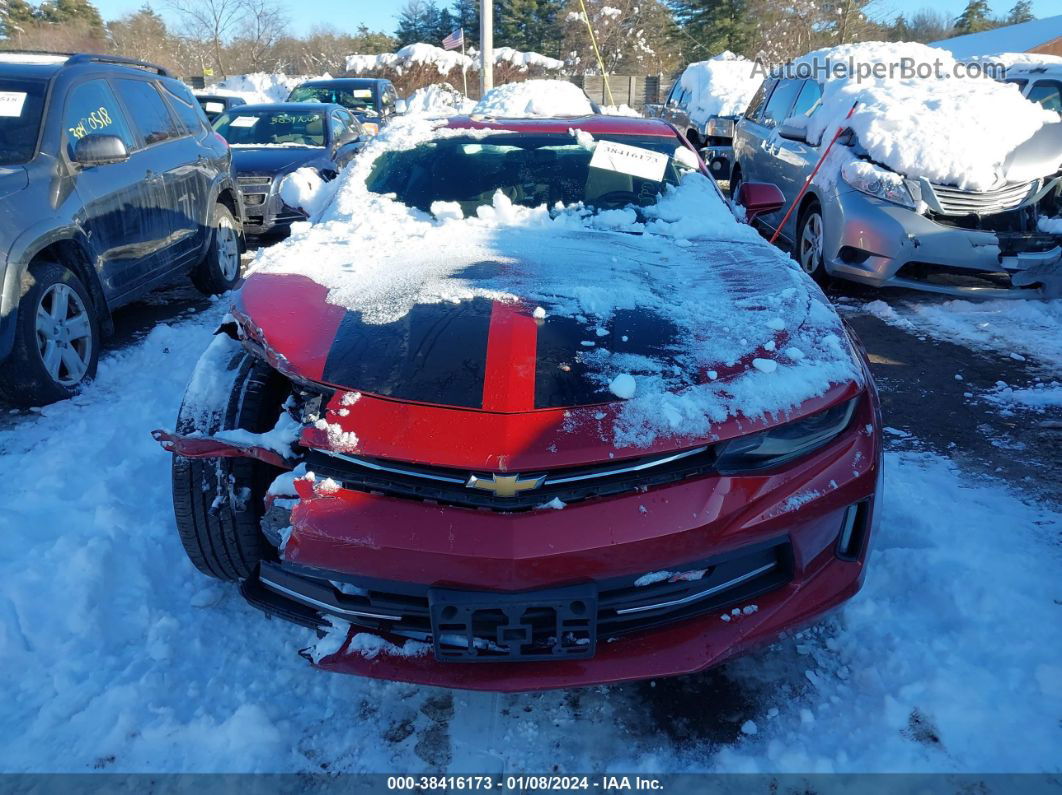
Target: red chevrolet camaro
{"points": [[575, 425]]}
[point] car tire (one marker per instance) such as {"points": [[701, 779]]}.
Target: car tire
{"points": [[219, 271], [809, 242], [218, 503], [735, 183], [57, 339]]}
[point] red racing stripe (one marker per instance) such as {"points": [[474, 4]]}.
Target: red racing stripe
{"points": [[512, 342]]}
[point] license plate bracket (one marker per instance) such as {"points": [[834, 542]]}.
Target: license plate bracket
{"points": [[474, 626]]}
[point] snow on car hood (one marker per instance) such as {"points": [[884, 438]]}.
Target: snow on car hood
{"points": [[707, 320], [950, 129]]}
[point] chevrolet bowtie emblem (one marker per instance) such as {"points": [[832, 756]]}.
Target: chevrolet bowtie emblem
{"points": [[505, 485]]}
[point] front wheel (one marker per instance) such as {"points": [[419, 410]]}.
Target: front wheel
{"points": [[219, 270], [57, 339], [810, 242]]}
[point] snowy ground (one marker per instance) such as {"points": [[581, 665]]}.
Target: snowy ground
{"points": [[117, 655]]}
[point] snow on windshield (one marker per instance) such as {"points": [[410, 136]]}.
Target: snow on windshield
{"points": [[951, 129], [534, 98], [731, 297], [721, 86]]}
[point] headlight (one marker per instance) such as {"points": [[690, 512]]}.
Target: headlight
{"points": [[876, 181], [786, 442]]}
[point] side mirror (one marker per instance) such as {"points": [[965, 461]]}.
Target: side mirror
{"points": [[100, 150], [792, 131], [759, 198], [400, 106]]}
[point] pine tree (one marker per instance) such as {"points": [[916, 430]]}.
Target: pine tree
{"points": [[974, 18], [15, 17], [466, 17], [708, 27], [1022, 12], [60, 11], [417, 21]]}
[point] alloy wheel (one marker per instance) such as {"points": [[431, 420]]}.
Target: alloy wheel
{"points": [[228, 249], [64, 334], [811, 243]]}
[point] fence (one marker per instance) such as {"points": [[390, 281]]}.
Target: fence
{"points": [[634, 90]]}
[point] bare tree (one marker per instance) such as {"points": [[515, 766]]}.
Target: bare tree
{"points": [[211, 21], [261, 27]]}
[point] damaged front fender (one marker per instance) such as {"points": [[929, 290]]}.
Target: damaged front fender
{"points": [[195, 446]]}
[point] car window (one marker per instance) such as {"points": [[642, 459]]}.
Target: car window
{"points": [[91, 108], [350, 121], [271, 127], [808, 100], [1048, 93], [21, 104], [532, 170], [780, 102], [756, 103], [336, 128], [684, 99], [357, 99], [185, 105], [676, 89], [150, 114]]}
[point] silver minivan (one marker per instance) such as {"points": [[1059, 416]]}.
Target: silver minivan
{"points": [[877, 227]]}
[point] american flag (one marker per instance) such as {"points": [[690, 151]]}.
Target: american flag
{"points": [[454, 40]]}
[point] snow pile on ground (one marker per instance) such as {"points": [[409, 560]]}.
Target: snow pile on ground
{"points": [[439, 99], [306, 190], [732, 300], [721, 86], [534, 98], [1027, 329], [621, 110], [1041, 396], [951, 130], [410, 56], [258, 87]]}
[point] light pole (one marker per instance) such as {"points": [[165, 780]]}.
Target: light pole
{"points": [[486, 45]]}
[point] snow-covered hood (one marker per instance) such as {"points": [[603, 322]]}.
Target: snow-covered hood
{"points": [[503, 324], [269, 160]]}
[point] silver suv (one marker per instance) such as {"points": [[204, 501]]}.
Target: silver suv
{"points": [[866, 226]]}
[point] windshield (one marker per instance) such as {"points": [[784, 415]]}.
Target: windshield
{"points": [[359, 100], [21, 104], [271, 128], [609, 172]]}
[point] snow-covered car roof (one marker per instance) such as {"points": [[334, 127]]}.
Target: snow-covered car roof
{"points": [[721, 86]]}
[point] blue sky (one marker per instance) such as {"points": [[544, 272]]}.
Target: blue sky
{"points": [[346, 15]]}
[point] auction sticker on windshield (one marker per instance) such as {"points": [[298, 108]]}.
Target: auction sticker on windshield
{"points": [[215, 107], [362, 93], [244, 121], [11, 102], [633, 160]]}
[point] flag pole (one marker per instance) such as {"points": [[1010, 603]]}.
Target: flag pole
{"points": [[486, 45], [464, 66]]}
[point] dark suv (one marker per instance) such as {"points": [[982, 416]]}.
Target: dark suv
{"points": [[111, 183], [373, 100]]}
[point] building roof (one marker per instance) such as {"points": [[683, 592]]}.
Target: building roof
{"points": [[1023, 37]]}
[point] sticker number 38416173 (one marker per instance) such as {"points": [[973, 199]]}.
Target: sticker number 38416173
{"points": [[96, 120]]}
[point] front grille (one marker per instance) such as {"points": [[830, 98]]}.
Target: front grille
{"points": [[254, 199], [451, 486], [624, 605], [249, 181], [955, 201]]}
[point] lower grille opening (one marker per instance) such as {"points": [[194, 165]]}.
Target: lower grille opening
{"points": [[853, 533], [548, 623], [949, 276]]}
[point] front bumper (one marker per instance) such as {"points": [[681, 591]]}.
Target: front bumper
{"points": [[264, 211], [881, 244], [372, 542]]}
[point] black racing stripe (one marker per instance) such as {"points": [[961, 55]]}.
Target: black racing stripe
{"points": [[562, 378], [436, 353]]}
